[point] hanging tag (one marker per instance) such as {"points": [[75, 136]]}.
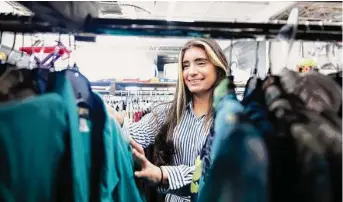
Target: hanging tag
{"points": [[83, 112], [83, 126]]}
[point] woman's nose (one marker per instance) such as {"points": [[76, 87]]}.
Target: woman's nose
{"points": [[193, 70]]}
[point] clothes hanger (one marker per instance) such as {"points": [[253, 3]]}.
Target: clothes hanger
{"points": [[271, 80], [81, 87], [251, 83], [75, 67], [231, 84], [288, 32], [13, 46], [3, 61], [22, 52], [339, 70], [68, 67], [269, 72], [253, 90], [1, 32], [337, 76]]}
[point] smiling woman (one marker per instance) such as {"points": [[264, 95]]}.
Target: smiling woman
{"points": [[198, 73], [179, 129]]}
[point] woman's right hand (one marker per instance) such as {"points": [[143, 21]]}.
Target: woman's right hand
{"points": [[136, 146], [148, 171]]}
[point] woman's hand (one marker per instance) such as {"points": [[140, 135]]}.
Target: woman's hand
{"points": [[149, 172], [136, 146]]}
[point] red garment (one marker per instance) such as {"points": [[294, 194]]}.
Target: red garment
{"points": [[47, 49]]}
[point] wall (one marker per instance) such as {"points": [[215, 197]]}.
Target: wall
{"points": [[244, 54], [95, 61], [312, 50]]}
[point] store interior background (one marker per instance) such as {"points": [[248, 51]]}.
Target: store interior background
{"points": [[119, 57]]}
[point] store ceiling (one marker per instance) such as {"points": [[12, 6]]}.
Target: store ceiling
{"points": [[251, 11], [255, 11], [195, 10], [316, 11]]}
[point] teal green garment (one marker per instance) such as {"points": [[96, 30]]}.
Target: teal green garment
{"points": [[127, 189], [34, 136], [108, 177], [117, 181], [86, 142], [80, 179]]}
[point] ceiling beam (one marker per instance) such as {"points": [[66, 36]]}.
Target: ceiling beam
{"points": [[272, 10]]}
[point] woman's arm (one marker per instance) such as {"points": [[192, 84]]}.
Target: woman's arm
{"points": [[170, 179], [176, 179], [144, 131]]}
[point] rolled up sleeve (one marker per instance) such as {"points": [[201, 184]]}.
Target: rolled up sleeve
{"points": [[179, 180], [144, 131]]}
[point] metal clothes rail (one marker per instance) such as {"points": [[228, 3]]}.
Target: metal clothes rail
{"points": [[161, 28]]}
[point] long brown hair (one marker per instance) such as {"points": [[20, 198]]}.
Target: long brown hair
{"points": [[164, 147]]}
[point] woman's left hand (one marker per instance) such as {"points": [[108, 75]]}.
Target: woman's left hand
{"points": [[149, 172]]}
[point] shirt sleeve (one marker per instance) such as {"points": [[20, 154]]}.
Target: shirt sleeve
{"points": [[179, 180], [144, 131]]}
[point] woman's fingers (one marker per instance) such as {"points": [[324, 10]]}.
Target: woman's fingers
{"points": [[150, 173], [136, 146], [140, 158], [141, 174]]}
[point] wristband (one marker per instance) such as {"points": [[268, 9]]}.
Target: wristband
{"points": [[159, 184]]}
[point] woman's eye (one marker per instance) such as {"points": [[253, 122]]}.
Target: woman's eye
{"points": [[185, 67], [201, 63]]}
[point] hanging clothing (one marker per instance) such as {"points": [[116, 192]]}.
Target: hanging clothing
{"points": [[189, 137], [109, 163], [319, 92], [88, 158], [126, 190], [238, 164], [322, 97], [39, 160], [297, 163], [252, 109], [300, 156]]}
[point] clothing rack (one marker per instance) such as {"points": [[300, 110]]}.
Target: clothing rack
{"points": [[162, 28]]}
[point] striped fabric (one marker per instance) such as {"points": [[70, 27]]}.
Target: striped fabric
{"points": [[189, 138]]}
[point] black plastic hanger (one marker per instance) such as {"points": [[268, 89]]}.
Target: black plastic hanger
{"points": [[69, 67], [251, 83], [80, 84], [75, 67], [253, 89], [231, 83], [81, 87]]}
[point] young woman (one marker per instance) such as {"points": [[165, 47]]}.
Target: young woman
{"points": [[179, 129]]}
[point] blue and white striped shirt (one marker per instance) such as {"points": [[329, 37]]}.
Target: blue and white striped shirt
{"points": [[189, 137]]}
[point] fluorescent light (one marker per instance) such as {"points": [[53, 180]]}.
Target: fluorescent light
{"points": [[132, 88]]}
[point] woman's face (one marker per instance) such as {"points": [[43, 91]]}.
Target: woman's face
{"points": [[199, 74]]}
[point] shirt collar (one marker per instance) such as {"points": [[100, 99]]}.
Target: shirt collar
{"points": [[190, 108], [190, 105]]}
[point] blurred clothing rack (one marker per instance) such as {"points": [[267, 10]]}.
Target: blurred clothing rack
{"points": [[161, 28]]}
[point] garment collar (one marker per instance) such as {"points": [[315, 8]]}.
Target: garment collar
{"points": [[190, 108]]}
